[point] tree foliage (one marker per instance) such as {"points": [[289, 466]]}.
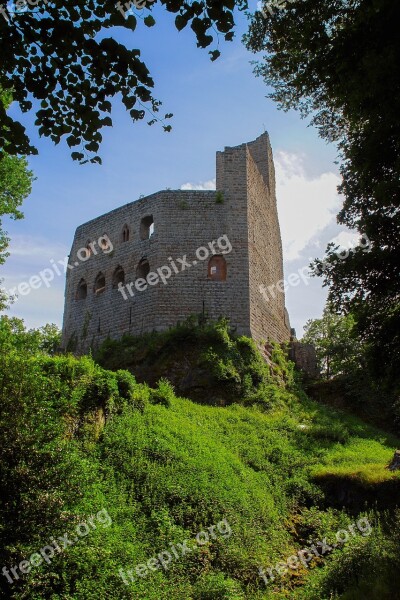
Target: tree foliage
{"points": [[15, 185], [59, 62], [338, 62], [14, 336], [339, 351], [78, 441]]}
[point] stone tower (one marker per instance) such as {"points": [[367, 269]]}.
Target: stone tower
{"points": [[158, 260]]}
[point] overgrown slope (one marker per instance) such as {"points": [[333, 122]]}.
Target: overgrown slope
{"points": [[139, 471], [205, 363]]}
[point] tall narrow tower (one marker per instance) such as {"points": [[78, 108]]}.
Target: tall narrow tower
{"points": [[246, 176]]}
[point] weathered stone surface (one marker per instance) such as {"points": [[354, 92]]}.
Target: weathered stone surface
{"points": [[184, 221], [305, 358], [395, 464]]}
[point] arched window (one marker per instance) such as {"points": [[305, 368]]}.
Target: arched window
{"points": [[99, 284], [147, 228], [104, 242], [125, 234], [143, 269], [81, 292], [217, 269], [89, 249], [118, 277]]}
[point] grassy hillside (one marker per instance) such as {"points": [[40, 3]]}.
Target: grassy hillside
{"points": [[191, 498]]}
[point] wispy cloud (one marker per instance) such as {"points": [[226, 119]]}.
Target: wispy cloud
{"points": [[346, 239], [28, 256], [205, 185], [306, 205], [36, 249]]}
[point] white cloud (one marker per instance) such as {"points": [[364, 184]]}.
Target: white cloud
{"points": [[346, 239], [41, 306], [35, 249], [205, 185], [29, 255], [306, 205]]}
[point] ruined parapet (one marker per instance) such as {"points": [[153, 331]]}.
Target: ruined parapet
{"points": [[305, 358], [155, 262]]}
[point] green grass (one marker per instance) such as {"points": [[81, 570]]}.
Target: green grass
{"points": [[78, 439]]}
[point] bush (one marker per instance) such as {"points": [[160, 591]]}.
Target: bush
{"points": [[217, 587], [126, 384], [164, 393], [366, 567], [227, 368]]}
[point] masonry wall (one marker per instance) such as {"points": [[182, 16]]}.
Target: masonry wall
{"points": [[184, 221], [268, 315], [246, 174], [305, 358]]}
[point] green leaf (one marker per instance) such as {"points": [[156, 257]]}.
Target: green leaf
{"points": [[180, 22], [72, 141], [77, 156], [215, 54], [149, 21]]}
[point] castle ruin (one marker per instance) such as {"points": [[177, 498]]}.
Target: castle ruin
{"points": [[154, 262]]}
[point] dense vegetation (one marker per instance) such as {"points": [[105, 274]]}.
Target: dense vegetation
{"points": [[337, 61], [15, 185], [203, 362], [63, 62], [78, 440], [348, 381]]}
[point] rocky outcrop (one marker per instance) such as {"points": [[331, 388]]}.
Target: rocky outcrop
{"points": [[395, 464]]}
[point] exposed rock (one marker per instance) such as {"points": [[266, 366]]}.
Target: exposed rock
{"points": [[395, 464], [305, 358]]}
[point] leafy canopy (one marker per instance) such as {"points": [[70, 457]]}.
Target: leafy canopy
{"points": [[14, 336], [337, 61], [338, 349], [57, 54], [15, 185]]}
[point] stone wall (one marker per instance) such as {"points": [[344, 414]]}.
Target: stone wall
{"points": [[305, 358], [268, 319], [242, 211]]}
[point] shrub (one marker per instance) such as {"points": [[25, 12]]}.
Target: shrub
{"points": [[219, 198], [164, 393], [126, 383], [216, 586]]}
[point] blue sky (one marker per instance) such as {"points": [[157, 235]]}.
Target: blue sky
{"points": [[215, 105]]}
